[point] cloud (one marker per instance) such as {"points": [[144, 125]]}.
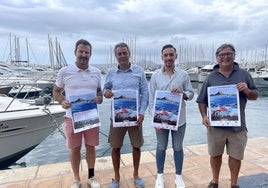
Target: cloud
{"points": [[151, 23]]}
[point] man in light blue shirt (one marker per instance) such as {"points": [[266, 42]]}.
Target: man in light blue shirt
{"points": [[174, 80], [127, 76]]}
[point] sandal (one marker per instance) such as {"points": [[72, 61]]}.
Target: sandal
{"points": [[114, 184], [139, 183]]}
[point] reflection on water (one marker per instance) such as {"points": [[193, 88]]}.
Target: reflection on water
{"points": [[53, 149]]}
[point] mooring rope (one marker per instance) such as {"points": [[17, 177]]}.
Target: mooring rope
{"points": [[47, 111]]}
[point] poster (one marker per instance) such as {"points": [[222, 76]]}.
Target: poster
{"points": [[125, 108], [166, 110], [223, 106], [84, 112]]}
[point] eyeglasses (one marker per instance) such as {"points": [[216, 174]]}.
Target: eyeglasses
{"points": [[229, 54]]}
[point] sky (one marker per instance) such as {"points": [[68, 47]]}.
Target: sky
{"points": [[195, 27]]}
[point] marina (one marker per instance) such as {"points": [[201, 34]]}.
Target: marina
{"points": [[24, 81], [47, 164], [53, 149]]}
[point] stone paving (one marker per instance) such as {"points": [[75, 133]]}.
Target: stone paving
{"points": [[196, 170]]}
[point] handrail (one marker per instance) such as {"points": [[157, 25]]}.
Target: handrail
{"points": [[13, 99], [19, 110]]}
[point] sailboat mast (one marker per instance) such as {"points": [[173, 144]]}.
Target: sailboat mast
{"points": [[27, 50]]}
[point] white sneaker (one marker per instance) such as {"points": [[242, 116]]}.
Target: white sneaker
{"points": [[160, 183], [179, 182], [76, 184], [93, 183]]}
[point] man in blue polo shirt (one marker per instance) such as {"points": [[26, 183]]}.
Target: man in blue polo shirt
{"points": [[127, 76]]}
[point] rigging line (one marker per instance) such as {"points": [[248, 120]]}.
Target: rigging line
{"points": [[106, 150], [47, 111], [56, 123], [36, 60], [104, 134], [4, 54], [103, 154]]}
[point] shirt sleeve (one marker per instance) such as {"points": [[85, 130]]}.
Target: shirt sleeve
{"points": [[59, 80], [203, 95], [188, 89], [144, 94], [152, 88]]}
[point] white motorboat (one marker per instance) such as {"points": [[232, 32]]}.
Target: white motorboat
{"points": [[4, 89], [261, 78], [193, 73], [148, 73], [27, 87], [204, 71], [25, 91], [24, 125]]}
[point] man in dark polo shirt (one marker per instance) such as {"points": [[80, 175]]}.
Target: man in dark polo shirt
{"points": [[227, 72]]}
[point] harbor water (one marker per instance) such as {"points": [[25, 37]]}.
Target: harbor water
{"points": [[53, 149]]}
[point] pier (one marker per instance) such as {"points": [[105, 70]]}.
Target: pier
{"points": [[196, 170]]}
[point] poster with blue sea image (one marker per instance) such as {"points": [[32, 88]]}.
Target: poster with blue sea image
{"points": [[84, 112], [223, 106], [166, 110], [125, 108]]}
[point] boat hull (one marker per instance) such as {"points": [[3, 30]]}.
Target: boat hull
{"points": [[22, 133], [261, 82]]}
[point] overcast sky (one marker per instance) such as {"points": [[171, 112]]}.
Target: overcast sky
{"points": [[195, 27]]}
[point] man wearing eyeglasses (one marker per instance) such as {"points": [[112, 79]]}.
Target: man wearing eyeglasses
{"points": [[227, 72]]}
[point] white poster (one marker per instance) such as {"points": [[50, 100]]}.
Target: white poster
{"points": [[223, 106], [125, 108], [84, 112], [166, 111]]}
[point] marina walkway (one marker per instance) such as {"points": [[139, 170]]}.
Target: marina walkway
{"points": [[196, 170]]}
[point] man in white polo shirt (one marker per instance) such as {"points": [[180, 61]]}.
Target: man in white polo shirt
{"points": [[80, 78]]}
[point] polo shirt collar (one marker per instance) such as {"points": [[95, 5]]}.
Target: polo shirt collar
{"points": [[80, 70], [174, 70], [130, 68], [217, 66]]}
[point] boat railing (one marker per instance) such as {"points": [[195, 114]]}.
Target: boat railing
{"points": [[26, 79], [38, 84], [18, 110], [44, 100]]}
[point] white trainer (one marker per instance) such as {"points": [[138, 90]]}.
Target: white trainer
{"points": [[160, 183], [76, 184], [179, 182], [93, 183]]}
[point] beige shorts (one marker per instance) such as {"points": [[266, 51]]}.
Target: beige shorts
{"points": [[117, 134], [235, 142]]}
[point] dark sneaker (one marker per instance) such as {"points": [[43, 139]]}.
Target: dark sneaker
{"points": [[235, 186], [212, 185]]}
